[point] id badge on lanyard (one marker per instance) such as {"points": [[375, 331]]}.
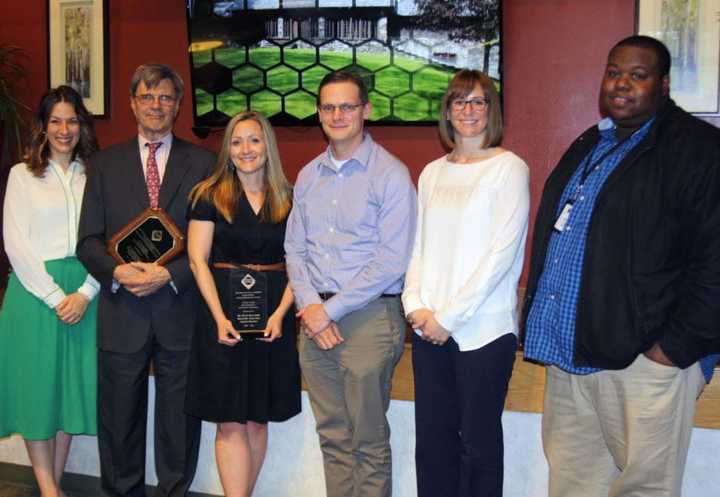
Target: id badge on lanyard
{"points": [[562, 219], [589, 167]]}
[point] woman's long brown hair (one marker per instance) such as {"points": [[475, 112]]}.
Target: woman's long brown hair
{"points": [[38, 151]]}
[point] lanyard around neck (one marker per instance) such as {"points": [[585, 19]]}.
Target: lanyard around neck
{"points": [[590, 166]]}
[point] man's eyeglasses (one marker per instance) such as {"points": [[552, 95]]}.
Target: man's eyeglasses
{"points": [[149, 98], [344, 108], [479, 103]]}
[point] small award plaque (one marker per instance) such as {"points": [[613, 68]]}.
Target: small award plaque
{"points": [[151, 237], [248, 309]]}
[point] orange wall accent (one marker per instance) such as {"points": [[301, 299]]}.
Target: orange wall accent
{"points": [[554, 54]]}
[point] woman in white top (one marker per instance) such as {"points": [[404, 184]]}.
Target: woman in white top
{"points": [[47, 324], [461, 294]]}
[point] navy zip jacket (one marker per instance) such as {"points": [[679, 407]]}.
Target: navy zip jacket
{"points": [[651, 270]]}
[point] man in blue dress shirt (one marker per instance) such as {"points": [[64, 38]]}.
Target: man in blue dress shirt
{"points": [[348, 242], [623, 299]]}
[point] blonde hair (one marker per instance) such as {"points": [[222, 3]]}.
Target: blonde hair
{"points": [[461, 85], [223, 188]]}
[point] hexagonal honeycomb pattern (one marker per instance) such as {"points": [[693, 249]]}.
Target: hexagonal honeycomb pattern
{"points": [[432, 86], [412, 107], [300, 104], [231, 102], [311, 78], [265, 57], [392, 81], [229, 57], [214, 78], [203, 102], [380, 106], [201, 58], [248, 79], [283, 79], [278, 68], [299, 55], [267, 102], [334, 55], [373, 56]]}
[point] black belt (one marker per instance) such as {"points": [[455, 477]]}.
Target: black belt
{"points": [[328, 295]]}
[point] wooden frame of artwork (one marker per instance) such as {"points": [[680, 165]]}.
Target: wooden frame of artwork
{"points": [[77, 50], [691, 31]]}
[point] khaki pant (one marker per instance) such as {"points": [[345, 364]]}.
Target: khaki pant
{"points": [[619, 433], [349, 389]]}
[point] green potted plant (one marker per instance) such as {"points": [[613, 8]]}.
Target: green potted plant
{"points": [[11, 127], [11, 109]]}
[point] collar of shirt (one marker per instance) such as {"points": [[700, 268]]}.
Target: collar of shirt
{"points": [[338, 163], [161, 156], [607, 128], [605, 124], [165, 140], [360, 155], [75, 165]]}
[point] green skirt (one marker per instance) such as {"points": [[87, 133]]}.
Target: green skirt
{"points": [[48, 369]]}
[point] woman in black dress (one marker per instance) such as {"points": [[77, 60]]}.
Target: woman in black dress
{"points": [[237, 221]]}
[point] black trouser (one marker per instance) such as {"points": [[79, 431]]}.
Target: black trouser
{"points": [[122, 421], [459, 398]]}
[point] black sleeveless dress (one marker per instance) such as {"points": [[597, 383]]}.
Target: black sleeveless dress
{"points": [[254, 380]]}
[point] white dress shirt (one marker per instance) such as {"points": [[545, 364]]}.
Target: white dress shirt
{"points": [[469, 247], [40, 222]]}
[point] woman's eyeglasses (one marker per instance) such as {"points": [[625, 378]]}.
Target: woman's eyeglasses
{"points": [[476, 104]]}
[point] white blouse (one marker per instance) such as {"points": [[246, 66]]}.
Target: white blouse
{"points": [[469, 247], [40, 223]]}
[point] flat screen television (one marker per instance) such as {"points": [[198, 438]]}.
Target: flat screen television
{"points": [[270, 55]]}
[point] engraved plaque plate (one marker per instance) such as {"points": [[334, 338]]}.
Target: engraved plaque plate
{"points": [[248, 309], [150, 237]]}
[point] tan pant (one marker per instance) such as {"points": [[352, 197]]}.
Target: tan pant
{"points": [[619, 433], [349, 389]]}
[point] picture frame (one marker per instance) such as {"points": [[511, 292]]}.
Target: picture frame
{"points": [[78, 50], [270, 55], [691, 31]]}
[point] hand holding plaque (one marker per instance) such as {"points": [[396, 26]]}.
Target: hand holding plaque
{"points": [[150, 237]]}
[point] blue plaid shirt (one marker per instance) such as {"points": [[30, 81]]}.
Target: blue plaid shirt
{"points": [[550, 327]]}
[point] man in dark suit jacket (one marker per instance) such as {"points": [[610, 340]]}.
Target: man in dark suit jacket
{"points": [[146, 311]]}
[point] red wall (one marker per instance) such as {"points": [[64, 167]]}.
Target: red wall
{"points": [[554, 53]]}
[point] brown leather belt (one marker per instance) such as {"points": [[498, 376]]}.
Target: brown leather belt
{"points": [[278, 266]]}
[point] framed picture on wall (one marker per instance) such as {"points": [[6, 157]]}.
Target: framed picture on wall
{"points": [[77, 50], [270, 55], [691, 31]]}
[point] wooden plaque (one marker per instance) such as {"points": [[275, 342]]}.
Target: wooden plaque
{"points": [[150, 237]]}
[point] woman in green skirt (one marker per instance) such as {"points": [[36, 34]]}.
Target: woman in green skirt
{"points": [[47, 321]]}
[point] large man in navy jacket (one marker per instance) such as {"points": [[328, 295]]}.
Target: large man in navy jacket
{"points": [[623, 299]]}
